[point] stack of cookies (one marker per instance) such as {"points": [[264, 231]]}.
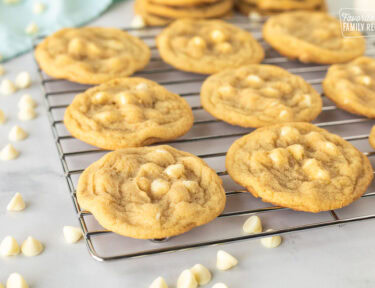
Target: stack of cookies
{"points": [[270, 7], [162, 12]]}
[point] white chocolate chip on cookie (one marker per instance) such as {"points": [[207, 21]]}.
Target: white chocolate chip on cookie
{"points": [[23, 80], [217, 36], [201, 274], [365, 80], [15, 280], [297, 151], [159, 283], [7, 87], [16, 204], [226, 90], [252, 225], [9, 247], [225, 261], [17, 134], [72, 234], [314, 171], [141, 87], [159, 187], [175, 170], [31, 247], [224, 48], [271, 242], [187, 280], [8, 153]]}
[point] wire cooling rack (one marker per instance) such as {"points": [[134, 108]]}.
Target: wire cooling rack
{"points": [[209, 139]]}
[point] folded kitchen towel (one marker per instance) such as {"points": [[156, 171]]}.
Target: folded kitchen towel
{"points": [[16, 16]]}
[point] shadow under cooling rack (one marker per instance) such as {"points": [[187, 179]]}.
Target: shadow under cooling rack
{"points": [[210, 139]]}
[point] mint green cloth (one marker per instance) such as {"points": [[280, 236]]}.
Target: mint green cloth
{"points": [[14, 18]]}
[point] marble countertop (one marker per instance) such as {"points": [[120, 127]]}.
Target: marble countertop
{"points": [[340, 256]]}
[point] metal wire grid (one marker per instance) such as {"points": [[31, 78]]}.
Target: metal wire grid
{"points": [[158, 68]]}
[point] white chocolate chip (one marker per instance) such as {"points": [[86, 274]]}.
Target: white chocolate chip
{"points": [[26, 114], [9, 247], [100, 98], [220, 285], [306, 100], [175, 171], [141, 87], [252, 225], [314, 171], [225, 261], [159, 283], [7, 87], [356, 70], [255, 16], [2, 117], [217, 36], [16, 204], [159, 187], [39, 8], [26, 101], [201, 273], [138, 22], [126, 98], [297, 151], [2, 70], [226, 90], [284, 114], [31, 247], [254, 79], [271, 242], [224, 47], [17, 134], [365, 80], [278, 157], [186, 280], [23, 80], [16, 280], [198, 41], [31, 29], [191, 185], [72, 234], [8, 153]]}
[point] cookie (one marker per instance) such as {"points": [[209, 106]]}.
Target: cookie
{"points": [[207, 46], [312, 37], [183, 3], [259, 95], [283, 5], [210, 10], [91, 55], [127, 112], [300, 166], [352, 86], [151, 192], [372, 137]]}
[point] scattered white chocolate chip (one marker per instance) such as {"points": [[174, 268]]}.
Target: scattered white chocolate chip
{"points": [[26, 101], [356, 70], [217, 36], [220, 285], [254, 79], [15, 280], [252, 225], [365, 80], [31, 247], [31, 29], [26, 114], [9, 246], [224, 47], [17, 134], [2, 70], [141, 87], [198, 41], [201, 273], [159, 187], [226, 90], [271, 242], [159, 283], [39, 8], [2, 117], [175, 170], [23, 80], [138, 22], [307, 100], [8, 153], [225, 261], [187, 280], [7, 87], [255, 16], [72, 234], [16, 204]]}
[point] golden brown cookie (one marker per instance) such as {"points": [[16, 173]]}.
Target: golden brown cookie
{"points": [[283, 5], [183, 3], [352, 86], [127, 112], [311, 37], [372, 137], [207, 46], [206, 10], [259, 95], [91, 55], [151, 192], [300, 166]]}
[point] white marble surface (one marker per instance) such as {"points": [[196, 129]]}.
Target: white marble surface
{"points": [[331, 257]]}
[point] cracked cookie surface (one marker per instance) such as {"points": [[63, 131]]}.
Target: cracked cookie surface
{"points": [[127, 112], [91, 55], [352, 86], [207, 46], [300, 166], [312, 37], [151, 192], [259, 95]]}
